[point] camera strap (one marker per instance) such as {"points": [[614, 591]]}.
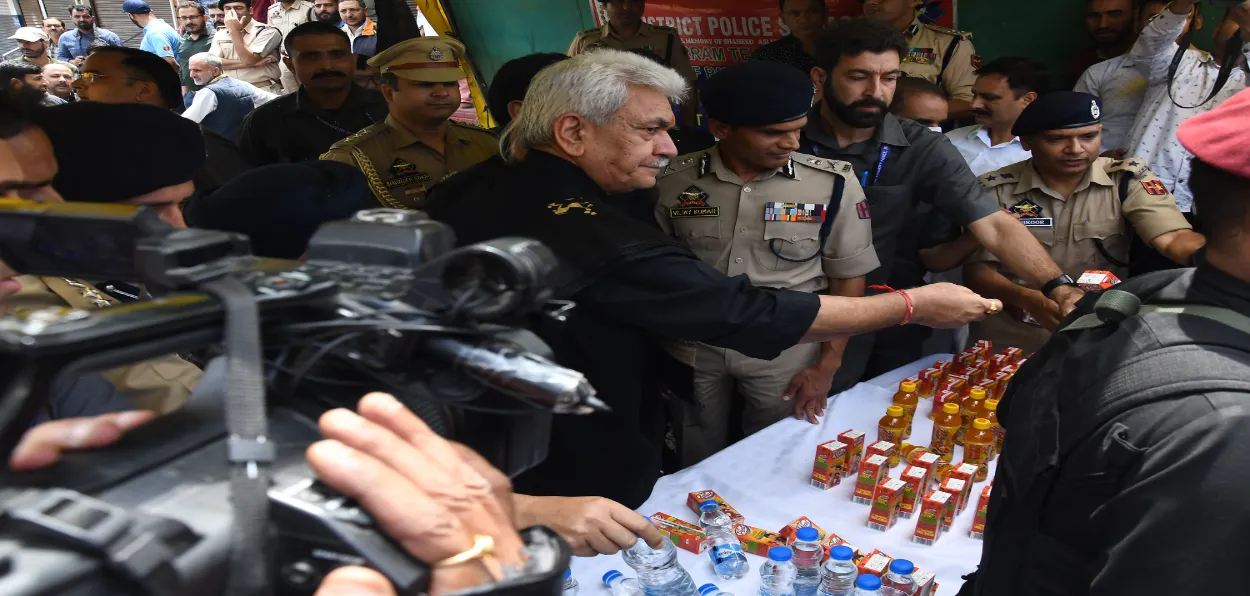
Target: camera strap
{"points": [[248, 448]]}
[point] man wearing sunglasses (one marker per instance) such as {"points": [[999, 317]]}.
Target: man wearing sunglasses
{"points": [[126, 75], [753, 205]]}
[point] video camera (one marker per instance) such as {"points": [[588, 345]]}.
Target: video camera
{"points": [[383, 301]]}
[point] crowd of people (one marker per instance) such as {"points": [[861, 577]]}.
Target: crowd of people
{"points": [[725, 281]]}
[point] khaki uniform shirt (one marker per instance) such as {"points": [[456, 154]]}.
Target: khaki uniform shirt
{"points": [[260, 39], [735, 226], [284, 20], [1071, 229], [401, 169], [927, 45], [664, 42], [161, 384]]}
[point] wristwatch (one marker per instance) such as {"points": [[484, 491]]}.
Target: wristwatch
{"points": [[1052, 285]]}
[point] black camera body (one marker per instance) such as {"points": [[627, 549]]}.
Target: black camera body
{"points": [[382, 302]]}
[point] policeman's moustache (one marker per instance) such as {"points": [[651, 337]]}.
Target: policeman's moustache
{"points": [[195, 503]]}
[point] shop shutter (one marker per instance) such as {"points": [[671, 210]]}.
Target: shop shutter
{"points": [[109, 15]]}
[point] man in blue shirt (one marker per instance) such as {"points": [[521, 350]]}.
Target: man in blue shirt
{"points": [[158, 37], [72, 47]]}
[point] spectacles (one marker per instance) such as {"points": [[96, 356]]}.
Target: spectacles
{"points": [[91, 76]]}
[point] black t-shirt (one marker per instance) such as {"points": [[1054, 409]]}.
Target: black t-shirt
{"points": [[787, 50], [290, 128], [632, 287]]}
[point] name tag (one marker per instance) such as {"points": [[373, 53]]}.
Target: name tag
{"points": [[1038, 222], [694, 212], [800, 212]]}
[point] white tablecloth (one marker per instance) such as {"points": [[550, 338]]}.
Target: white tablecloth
{"points": [[765, 478]]}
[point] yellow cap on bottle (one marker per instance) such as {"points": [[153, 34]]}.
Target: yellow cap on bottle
{"points": [[977, 393], [895, 411], [950, 408], [981, 424], [907, 387], [991, 405]]}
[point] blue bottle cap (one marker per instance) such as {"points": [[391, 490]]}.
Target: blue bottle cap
{"points": [[706, 589], [902, 567], [568, 573], [807, 534], [868, 582], [709, 506], [842, 553], [780, 554], [611, 575]]}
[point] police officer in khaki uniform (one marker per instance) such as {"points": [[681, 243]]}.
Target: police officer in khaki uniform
{"points": [[1082, 207], [625, 30], [417, 145], [937, 54], [753, 206], [285, 15], [160, 384]]}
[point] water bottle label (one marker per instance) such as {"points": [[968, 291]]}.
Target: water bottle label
{"points": [[723, 552]]}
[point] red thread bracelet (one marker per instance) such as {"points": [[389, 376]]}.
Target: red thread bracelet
{"points": [[911, 306]]}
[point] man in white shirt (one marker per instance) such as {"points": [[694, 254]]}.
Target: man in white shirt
{"points": [[1153, 137], [222, 102], [1002, 90]]}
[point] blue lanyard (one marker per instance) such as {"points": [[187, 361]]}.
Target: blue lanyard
{"points": [[863, 179]]}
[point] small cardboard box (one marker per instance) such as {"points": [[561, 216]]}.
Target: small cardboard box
{"points": [[888, 449], [978, 522], [829, 466], [929, 523], [871, 471], [926, 582], [854, 441], [916, 480], [1097, 281], [757, 541], [683, 534], [885, 504], [957, 489], [876, 563], [968, 473], [792, 529], [695, 498]]}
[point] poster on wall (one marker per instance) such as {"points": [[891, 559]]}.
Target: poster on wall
{"points": [[719, 33]]}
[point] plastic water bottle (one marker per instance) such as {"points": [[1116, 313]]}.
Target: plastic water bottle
{"points": [[570, 584], [659, 573], [837, 576], [778, 573], [867, 585], [712, 590], [899, 577], [621, 585], [724, 549], [807, 555]]}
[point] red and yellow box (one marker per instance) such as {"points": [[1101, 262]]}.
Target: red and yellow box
{"points": [[953, 383], [968, 473], [886, 500], [926, 582], [957, 488], [917, 480], [943, 365], [943, 397], [984, 343], [792, 528], [929, 461], [886, 448], [854, 441], [683, 534], [871, 471], [1097, 281], [876, 563], [832, 540], [1016, 354], [929, 524], [829, 466], [757, 541], [978, 522], [929, 379], [694, 499]]}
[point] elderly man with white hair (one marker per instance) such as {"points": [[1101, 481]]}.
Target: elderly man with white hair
{"points": [[591, 137], [223, 102]]}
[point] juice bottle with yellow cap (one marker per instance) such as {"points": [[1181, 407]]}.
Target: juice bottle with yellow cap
{"points": [[991, 413], [908, 397], [969, 409], [891, 429], [977, 445], [945, 426]]}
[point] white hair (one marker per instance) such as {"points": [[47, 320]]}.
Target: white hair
{"points": [[207, 59], [594, 85]]}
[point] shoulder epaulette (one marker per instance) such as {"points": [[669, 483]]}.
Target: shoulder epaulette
{"points": [[1001, 176], [356, 137], [1137, 167], [682, 163], [475, 127], [833, 166], [940, 29], [586, 32]]}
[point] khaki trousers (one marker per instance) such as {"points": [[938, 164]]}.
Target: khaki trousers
{"points": [[718, 374], [289, 84]]}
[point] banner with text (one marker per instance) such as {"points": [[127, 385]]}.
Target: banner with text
{"points": [[719, 33]]}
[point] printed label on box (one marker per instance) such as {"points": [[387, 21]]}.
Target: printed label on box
{"points": [[854, 441], [829, 466], [871, 470], [757, 541], [885, 504], [694, 499], [683, 534]]}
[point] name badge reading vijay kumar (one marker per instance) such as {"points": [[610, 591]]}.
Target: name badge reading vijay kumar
{"points": [[692, 202]]}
